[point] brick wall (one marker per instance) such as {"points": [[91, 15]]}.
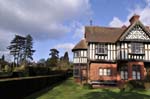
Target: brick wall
{"points": [[143, 70], [94, 71]]}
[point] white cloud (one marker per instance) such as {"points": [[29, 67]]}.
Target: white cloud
{"points": [[65, 46], [116, 22], [143, 12], [147, 2], [43, 19], [40, 17], [77, 29]]}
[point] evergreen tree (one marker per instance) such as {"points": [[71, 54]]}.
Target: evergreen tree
{"points": [[64, 62], [16, 48], [21, 48], [53, 60], [54, 53], [66, 57], [3, 58], [28, 51]]}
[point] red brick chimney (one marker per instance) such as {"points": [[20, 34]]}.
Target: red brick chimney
{"points": [[134, 18], [124, 26]]}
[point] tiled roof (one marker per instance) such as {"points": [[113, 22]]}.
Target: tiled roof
{"points": [[102, 34], [108, 34], [81, 45]]}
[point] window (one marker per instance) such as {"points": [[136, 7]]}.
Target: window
{"points": [[137, 48], [76, 73], [80, 53], [136, 74], [104, 72], [124, 72], [101, 49], [76, 54]]}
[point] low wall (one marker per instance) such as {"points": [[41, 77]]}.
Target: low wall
{"points": [[17, 88]]}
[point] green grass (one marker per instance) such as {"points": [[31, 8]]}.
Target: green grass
{"points": [[70, 90]]}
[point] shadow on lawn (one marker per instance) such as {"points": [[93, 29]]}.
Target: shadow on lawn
{"points": [[108, 94], [39, 93]]}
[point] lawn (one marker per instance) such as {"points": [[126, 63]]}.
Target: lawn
{"points": [[70, 90]]}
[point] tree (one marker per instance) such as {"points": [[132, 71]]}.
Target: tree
{"points": [[64, 62], [66, 57], [53, 60], [54, 53], [16, 48], [28, 51], [41, 62], [21, 48], [3, 58]]}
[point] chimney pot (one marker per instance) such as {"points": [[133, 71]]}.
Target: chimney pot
{"points": [[134, 18], [124, 26]]}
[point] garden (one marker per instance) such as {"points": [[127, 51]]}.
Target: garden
{"points": [[71, 90]]}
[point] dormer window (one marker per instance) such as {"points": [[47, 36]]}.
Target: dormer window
{"points": [[101, 49], [137, 48]]}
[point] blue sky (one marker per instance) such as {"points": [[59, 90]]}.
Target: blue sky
{"points": [[60, 23]]}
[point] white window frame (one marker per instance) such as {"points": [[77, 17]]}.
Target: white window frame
{"points": [[105, 72], [136, 72], [101, 49], [137, 48]]}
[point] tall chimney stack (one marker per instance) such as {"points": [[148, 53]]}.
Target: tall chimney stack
{"points": [[134, 18]]}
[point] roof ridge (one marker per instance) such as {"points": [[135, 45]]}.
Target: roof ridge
{"points": [[103, 27]]}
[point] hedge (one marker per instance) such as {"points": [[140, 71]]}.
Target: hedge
{"points": [[18, 88]]}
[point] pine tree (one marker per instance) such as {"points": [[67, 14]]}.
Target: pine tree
{"points": [[3, 58], [66, 57], [16, 46], [28, 51], [53, 60], [21, 48]]}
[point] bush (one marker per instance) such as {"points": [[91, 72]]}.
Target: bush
{"points": [[147, 78], [137, 84], [126, 87], [87, 86], [131, 85], [7, 68]]}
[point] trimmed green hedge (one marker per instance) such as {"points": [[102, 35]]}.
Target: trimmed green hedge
{"points": [[18, 88]]}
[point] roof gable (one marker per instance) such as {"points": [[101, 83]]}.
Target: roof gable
{"points": [[81, 45], [136, 32], [103, 34]]}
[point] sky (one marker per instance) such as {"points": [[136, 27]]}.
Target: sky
{"points": [[60, 23]]}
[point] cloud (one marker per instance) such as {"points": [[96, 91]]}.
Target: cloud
{"points": [[65, 46], [142, 11], [147, 2], [116, 22], [78, 29], [41, 17]]}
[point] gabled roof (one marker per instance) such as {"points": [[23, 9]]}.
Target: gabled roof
{"points": [[103, 34], [109, 34], [145, 29], [81, 45]]}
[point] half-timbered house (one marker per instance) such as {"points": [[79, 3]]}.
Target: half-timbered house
{"points": [[109, 55]]}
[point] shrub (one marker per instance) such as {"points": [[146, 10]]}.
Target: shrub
{"points": [[87, 86], [7, 68], [147, 78], [126, 87], [137, 84]]}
